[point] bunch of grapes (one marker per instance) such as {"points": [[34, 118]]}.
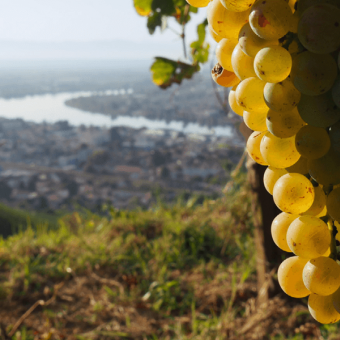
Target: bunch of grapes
{"points": [[281, 60]]}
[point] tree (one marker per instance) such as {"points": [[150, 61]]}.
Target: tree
{"points": [[166, 72]]}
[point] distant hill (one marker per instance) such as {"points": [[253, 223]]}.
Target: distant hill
{"points": [[95, 50]]}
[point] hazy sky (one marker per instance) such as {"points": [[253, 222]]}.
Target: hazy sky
{"points": [[78, 20]]}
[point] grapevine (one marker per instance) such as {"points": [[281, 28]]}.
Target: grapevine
{"points": [[281, 60]]}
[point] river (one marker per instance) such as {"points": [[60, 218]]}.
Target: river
{"points": [[51, 108]]}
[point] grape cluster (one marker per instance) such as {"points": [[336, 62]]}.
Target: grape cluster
{"points": [[281, 60]]}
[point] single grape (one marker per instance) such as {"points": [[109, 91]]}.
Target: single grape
{"points": [[233, 103], [249, 95], [294, 194], [256, 121], [322, 275], [224, 51], [225, 23], [322, 310], [290, 277], [325, 170], [279, 230], [279, 152], [270, 20], [313, 74], [312, 142], [242, 65], [284, 124], [319, 203], [282, 96], [253, 147], [251, 43], [198, 3], [308, 237], [237, 5], [271, 175], [336, 92], [333, 204], [273, 64], [300, 167], [319, 111], [319, 29], [223, 77], [214, 35]]}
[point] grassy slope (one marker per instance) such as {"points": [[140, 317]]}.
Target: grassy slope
{"points": [[186, 272]]}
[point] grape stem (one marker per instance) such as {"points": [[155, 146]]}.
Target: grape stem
{"points": [[333, 254]]}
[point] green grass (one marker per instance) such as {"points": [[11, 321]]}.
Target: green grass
{"points": [[180, 272]]}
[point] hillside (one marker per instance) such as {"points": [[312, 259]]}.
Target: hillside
{"points": [[181, 272]]}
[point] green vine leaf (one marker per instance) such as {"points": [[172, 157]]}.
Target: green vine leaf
{"points": [[200, 48], [166, 72]]}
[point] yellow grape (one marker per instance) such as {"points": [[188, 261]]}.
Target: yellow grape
{"points": [[271, 175], [225, 23], [249, 95], [214, 35], [224, 51], [279, 230], [300, 167], [284, 124], [308, 237], [322, 310], [251, 43], [322, 275], [242, 65], [253, 147], [313, 74], [270, 20], [319, 111], [237, 5], [198, 3], [290, 277], [319, 203], [333, 204], [279, 152], [312, 142], [293, 194], [282, 96], [273, 64], [233, 103], [319, 29], [325, 170], [255, 120]]}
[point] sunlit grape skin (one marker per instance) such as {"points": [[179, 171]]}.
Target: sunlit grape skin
{"points": [[253, 147], [270, 20], [273, 64], [242, 64], [279, 152], [233, 102], [282, 96], [271, 175], [308, 237], [322, 276], [290, 277], [319, 203], [322, 309], [279, 230], [293, 193], [256, 121], [237, 5], [249, 95], [198, 3], [224, 51], [251, 43]]}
